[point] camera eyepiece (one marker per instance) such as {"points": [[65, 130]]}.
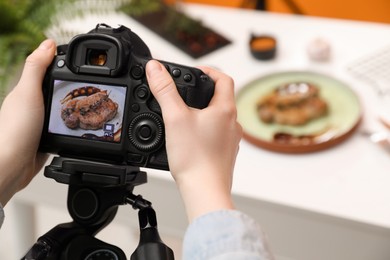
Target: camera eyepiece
{"points": [[96, 57]]}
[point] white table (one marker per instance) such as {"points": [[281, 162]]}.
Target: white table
{"points": [[333, 204]]}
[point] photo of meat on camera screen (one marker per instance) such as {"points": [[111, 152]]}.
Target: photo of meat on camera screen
{"points": [[87, 110]]}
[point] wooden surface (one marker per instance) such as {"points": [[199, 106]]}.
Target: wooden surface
{"points": [[374, 11]]}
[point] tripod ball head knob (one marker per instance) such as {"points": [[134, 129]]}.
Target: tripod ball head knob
{"points": [[150, 245], [147, 218]]}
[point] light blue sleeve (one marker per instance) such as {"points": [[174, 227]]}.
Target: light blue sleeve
{"points": [[223, 235], [1, 215]]}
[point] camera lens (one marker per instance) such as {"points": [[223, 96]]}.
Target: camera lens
{"points": [[97, 57]]}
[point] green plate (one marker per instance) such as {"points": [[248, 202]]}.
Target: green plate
{"points": [[343, 117]]}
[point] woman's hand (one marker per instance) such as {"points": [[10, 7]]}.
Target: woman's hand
{"points": [[202, 145], [21, 121]]}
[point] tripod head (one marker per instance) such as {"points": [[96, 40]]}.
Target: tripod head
{"points": [[95, 192]]}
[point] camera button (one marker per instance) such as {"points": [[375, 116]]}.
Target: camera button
{"points": [[176, 73], [137, 72], [142, 93], [204, 77], [135, 107], [135, 158], [187, 77], [145, 132], [60, 63]]}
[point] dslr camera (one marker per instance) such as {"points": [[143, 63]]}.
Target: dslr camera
{"points": [[98, 105]]}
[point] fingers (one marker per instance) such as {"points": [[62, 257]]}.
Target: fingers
{"points": [[163, 88], [35, 67], [224, 86]]}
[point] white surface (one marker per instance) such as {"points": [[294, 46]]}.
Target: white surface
{"points": [[350, 180]]}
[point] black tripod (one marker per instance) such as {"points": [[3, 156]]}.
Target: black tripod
{"points": [[95, 192]]}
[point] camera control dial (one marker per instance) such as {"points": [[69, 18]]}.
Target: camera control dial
{"points": [[146, 132]]}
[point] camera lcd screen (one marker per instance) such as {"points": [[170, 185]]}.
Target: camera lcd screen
{"points": [[87, 110]]}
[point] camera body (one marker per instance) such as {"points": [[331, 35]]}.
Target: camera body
{"points": [[98, 105]]}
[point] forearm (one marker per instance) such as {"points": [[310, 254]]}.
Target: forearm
{"points": [[10, 174], [17, 169], [203, 193]]}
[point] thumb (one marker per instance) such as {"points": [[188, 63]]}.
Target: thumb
{"points": [[35, 67], [26, 98], [23, 107], [163, 88]]}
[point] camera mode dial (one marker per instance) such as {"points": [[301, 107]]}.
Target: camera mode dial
{"points": [[146, 132]]}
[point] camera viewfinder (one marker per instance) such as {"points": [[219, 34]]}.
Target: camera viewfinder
{"points": [[96, 57]]}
